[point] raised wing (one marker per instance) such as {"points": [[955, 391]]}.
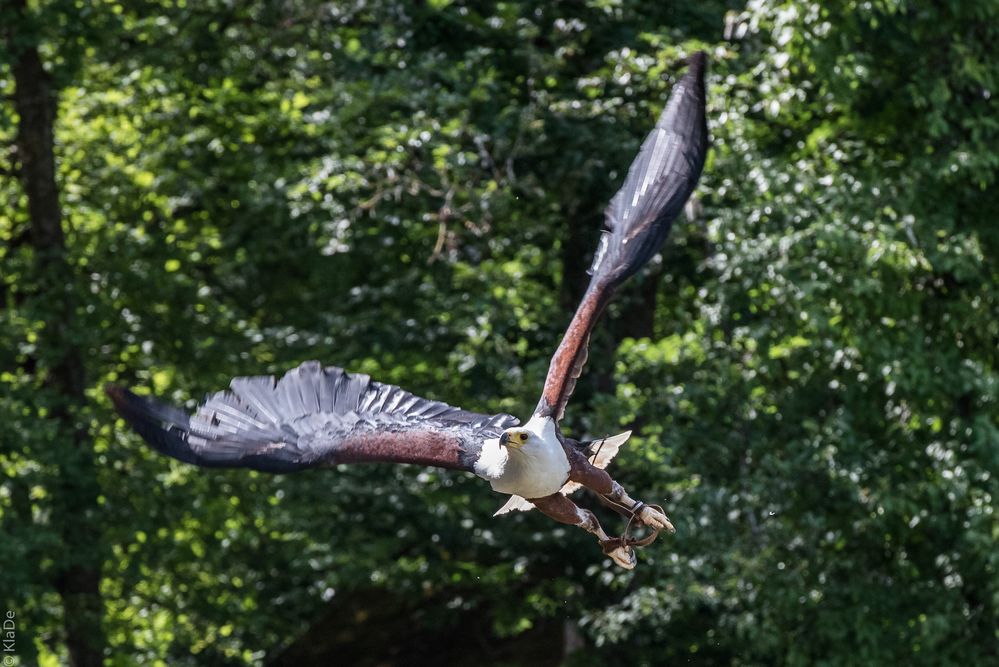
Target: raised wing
{"points": [[637, 222], [312, 417]]}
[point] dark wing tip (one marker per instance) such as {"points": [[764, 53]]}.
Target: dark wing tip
{"points": [[124, 401], [696, 63], [134, 407], [114, 392], [126, 404], [163, 426]]}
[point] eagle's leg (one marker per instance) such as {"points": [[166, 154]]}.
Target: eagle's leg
{"points": [[595, 479], [563, 510]]}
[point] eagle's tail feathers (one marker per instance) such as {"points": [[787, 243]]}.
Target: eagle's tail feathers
{"points": [[515, 504]]}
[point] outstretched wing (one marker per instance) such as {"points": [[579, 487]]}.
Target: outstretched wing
{"points": [[637, 221], [312, 417]]}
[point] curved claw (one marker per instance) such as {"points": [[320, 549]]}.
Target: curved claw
{"points": [[622, 554], [654, 517]]}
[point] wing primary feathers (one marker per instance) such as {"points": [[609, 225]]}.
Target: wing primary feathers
{"points": [[162, 426], [310, 386], [312, 416], [326, 391], [637, 221], [258, 394]]}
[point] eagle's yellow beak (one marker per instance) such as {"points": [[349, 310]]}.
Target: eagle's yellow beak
{"points": [[515, 439]]}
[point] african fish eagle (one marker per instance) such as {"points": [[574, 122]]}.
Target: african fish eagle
{"points": [[317, 416]]}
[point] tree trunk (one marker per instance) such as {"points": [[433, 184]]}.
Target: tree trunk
{"points": [[77, 572]]}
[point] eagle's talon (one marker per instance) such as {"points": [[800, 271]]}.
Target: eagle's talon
{"points": [[624, 556], [653, 517]]}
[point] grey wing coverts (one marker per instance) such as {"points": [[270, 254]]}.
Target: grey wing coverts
{"points": [[311, 417]]}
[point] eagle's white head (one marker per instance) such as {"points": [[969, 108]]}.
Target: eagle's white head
{"points": [[539, 432], [518, 438], [525, 460]]}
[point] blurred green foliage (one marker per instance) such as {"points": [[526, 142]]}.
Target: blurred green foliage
{"points": [[410, 190]]}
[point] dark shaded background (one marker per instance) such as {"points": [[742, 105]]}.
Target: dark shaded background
{"points": [[413, 190]]}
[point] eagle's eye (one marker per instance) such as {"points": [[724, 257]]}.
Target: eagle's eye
{"points": [[522, 436]]}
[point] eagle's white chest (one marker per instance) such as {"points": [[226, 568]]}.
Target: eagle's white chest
{"points": [[539, 468]]}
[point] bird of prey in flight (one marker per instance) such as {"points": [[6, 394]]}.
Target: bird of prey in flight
{"points": [[317, 416]]}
